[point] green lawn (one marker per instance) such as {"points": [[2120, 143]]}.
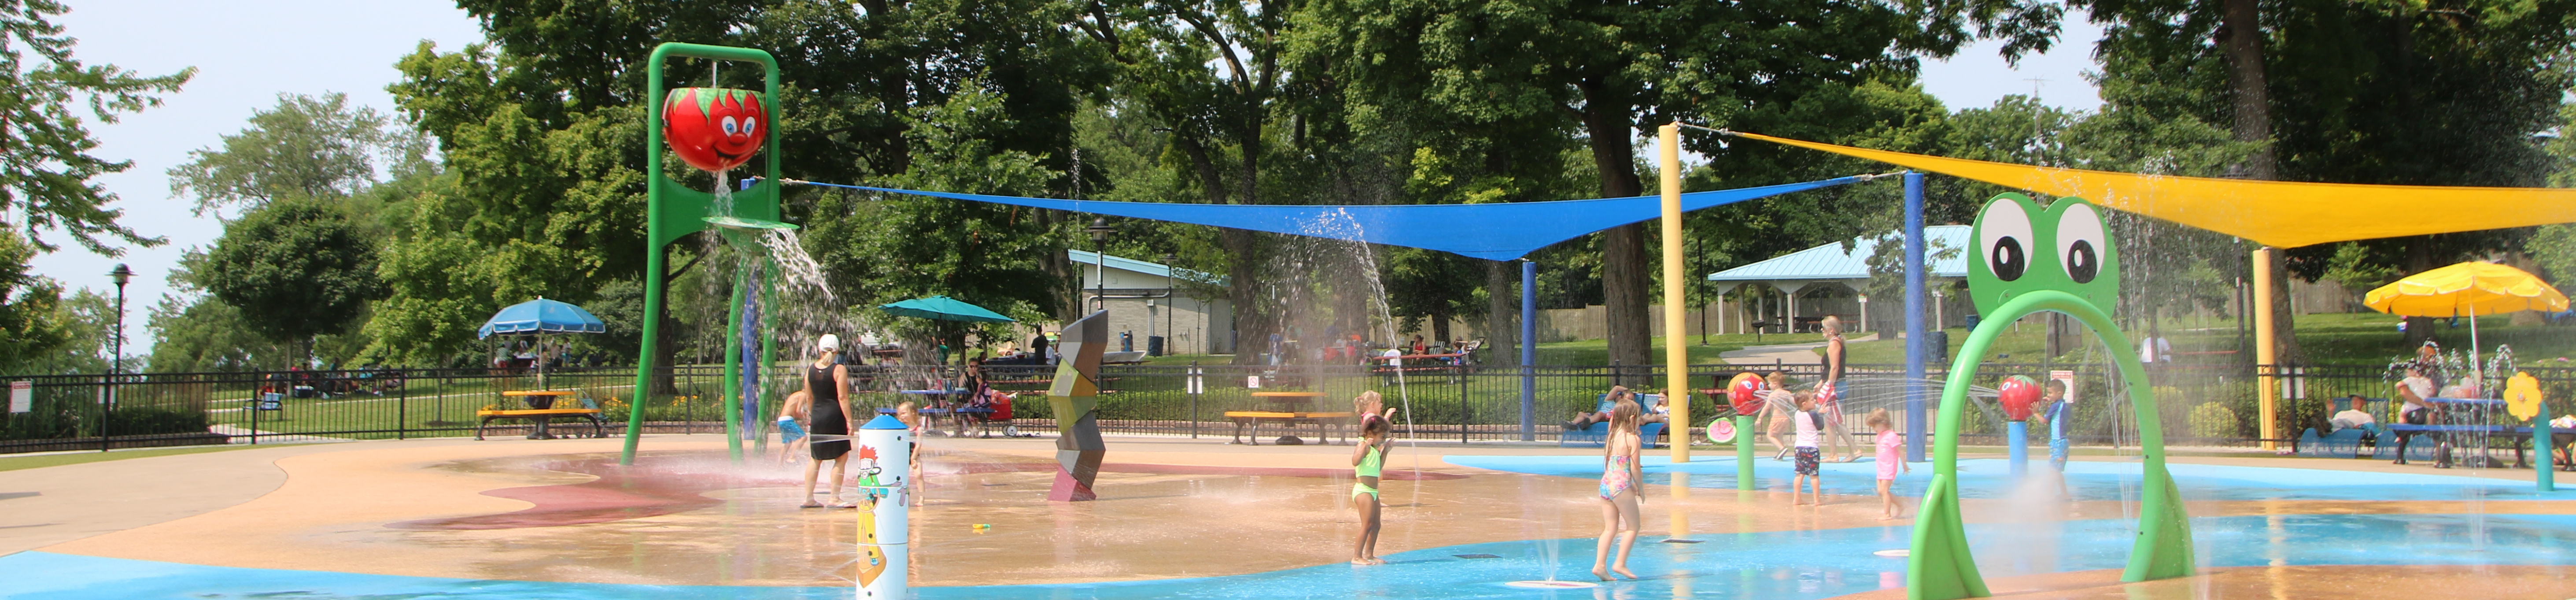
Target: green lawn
{"points": [[13, 463]]}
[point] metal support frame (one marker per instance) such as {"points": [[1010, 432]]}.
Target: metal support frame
{"points": [[674, 211]]}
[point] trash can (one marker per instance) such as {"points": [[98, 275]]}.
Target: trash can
{"points": [[1938, 345], [1154, 345]]}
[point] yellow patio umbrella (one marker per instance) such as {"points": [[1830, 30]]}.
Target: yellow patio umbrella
{"points": [[2467, 289]]}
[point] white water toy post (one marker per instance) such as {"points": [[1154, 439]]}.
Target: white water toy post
{"points": [[885, 475]]}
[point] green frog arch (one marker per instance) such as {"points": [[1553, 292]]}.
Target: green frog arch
{"points": [[2028, 259]]}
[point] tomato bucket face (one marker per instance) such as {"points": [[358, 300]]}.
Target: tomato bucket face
{"points": [[1745, 392], [2018, 394], [714, 129]]}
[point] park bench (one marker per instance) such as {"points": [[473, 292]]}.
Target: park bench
{"points": [[1254, 419], [1599, 433]]}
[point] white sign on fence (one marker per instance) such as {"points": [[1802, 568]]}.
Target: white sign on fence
{"points": [[22, 396], [1196, 386]]}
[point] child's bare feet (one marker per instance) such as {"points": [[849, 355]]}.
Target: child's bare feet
{"points": [[1887, 517], [1601, 573], [1623, 571], [1360, 562]]}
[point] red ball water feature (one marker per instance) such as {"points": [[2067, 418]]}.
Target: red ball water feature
{"points": [[1746, 393], [714, 129], [2017, 394]]}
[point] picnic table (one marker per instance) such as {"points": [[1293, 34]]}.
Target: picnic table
{"points": [[1443, 363], [541, 409], [1290, 409], [958, 413]]}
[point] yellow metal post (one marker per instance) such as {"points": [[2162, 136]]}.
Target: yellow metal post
{"points": [[1676, 354], [2264, 362]]}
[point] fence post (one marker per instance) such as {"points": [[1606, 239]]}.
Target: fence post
{"points": [[402, 408], [1462, 404], [103, 412]]}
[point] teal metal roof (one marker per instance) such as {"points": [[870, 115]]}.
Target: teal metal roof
{"points": [[1138, 266], [1829, 261]]}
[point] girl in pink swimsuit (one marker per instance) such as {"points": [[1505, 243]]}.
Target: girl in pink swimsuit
{"points": [[1618, 493]]}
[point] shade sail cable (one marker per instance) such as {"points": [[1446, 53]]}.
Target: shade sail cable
{"points": [[1496, 231]]}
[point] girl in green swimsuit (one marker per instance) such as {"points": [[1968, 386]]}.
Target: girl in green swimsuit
{"points": [[1368, 462]]}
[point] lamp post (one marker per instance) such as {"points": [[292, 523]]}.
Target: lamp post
{"points": [[1100, 231], [116, 353], [1170, 303]]}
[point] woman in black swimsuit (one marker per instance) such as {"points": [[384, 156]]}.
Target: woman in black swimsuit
{"points": [[826, 380]]}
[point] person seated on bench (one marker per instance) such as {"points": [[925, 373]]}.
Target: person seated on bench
{"points": [[2413, 390], [2562, 440], [1653, 414], [2355, 418]]}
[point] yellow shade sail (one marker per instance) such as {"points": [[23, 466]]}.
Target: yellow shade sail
{"points": [[2274, 213], [2466, 289]]}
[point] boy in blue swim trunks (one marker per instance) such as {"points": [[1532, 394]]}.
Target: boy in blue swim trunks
{"points": [[791, 425]]}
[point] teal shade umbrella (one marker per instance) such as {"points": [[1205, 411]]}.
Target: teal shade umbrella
{"points": [[945, 309], [541, 317]]}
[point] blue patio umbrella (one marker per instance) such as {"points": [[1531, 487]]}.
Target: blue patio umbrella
{"points": [[541, 316], [945, 309]]}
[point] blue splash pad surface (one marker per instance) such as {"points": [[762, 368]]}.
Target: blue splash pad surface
{"points": [[1785, 565], [2087, 480]]}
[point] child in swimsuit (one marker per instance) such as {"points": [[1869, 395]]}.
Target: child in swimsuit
{"points": [[1889, 461], [1808, 423], [1368, 462], [1618, 493], [791, 426]]}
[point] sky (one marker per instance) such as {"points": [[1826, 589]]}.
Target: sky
{"points": [[248, 51]]}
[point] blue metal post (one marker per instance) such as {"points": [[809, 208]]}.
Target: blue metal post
{"points": [[2017, 447], [1914, 333], [1529, 350]]}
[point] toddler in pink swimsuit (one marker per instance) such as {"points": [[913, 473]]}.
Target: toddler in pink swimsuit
{"points": [[1890, 460]]}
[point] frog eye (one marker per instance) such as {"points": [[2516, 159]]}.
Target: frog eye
{"points": [[2004, 238], [2080, 242]]}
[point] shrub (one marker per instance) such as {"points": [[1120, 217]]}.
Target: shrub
{"points": [[2214, 420]]}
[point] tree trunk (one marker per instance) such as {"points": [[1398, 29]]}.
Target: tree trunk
{"points": [[1440, 326], [2241, 34], [1502, 312], [1251, 332], [1623, 248]]}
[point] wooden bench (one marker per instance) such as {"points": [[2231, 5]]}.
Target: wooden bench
{"points": [[1598, 434], [598, 424], [1254, 419]]}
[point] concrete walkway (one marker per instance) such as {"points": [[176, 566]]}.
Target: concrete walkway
{"points": [[1784, 354]]}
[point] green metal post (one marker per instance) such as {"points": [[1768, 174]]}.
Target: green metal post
{"points": [[673, 211], [1744, 452]]}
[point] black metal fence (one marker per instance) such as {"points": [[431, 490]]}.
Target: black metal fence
{"points": [[2201, 405]]}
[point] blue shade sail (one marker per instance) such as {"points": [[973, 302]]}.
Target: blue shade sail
{"points": [[1498, 231]]}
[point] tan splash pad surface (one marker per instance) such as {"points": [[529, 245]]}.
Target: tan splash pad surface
{"points": [[560, 510]]}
